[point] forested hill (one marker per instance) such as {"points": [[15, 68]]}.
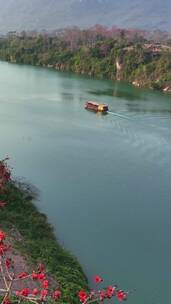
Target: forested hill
{"points": [[53, 14], [92, 52]]}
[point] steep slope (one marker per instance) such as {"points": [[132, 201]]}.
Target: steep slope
{"points": [[52, 14]]}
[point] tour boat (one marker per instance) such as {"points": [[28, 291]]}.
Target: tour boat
{"points": [[97, 107]]}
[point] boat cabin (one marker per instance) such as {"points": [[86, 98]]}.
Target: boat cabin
{"points": [[90, 105]]}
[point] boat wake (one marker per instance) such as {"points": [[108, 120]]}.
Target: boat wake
{"points": [[118, 115]]}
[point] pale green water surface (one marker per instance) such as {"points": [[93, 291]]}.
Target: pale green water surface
{"points": [[104, 181]]}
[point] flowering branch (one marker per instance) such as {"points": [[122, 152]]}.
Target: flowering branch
{"points": [[8, 276], [101, 295]]}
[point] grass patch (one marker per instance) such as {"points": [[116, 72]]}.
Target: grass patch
{"points": [[39, 243]]}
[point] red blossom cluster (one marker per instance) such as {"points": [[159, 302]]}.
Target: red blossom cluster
{"points": [[3, 247], [5, 173], [40, 294], [5, 176], [102, 294]]}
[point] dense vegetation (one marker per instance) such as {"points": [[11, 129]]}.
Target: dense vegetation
{"points": [[38, 243], [95, 53]]}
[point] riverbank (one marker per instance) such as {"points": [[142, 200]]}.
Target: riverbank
{"points": [[38, 243], [136, 61]]}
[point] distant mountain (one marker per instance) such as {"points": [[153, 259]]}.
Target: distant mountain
{"points": [[54, 14]]}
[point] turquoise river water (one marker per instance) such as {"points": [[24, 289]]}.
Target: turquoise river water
{"points": [[104, 180]]}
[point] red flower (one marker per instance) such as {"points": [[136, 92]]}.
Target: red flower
{"points": [[24, 292], [44, 293], [3, 248], [56, 294], [6, 301], [2, 204], [98, 279], [121, 295], [17, 293], [8, 263], [82, 296], [35, 291], [45, 284], [22, 275], [7, 176], [2, 236], [102, 295], [34, 276], [41, 276], [110, 291]]}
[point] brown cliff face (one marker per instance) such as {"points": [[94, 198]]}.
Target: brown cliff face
{"points": [[119, 70], [167, 87]]}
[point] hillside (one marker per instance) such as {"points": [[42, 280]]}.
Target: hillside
{"points": [[53, 14], [87, 52]]}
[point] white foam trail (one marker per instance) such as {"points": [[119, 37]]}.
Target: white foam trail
{"points": [[119, 115]]}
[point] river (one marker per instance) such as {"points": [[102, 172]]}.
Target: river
{"points": [[104, 180]]}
